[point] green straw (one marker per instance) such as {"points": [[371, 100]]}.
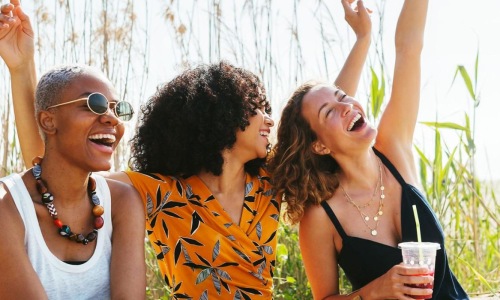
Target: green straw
{"points": [[419, 237], [417, 222]]}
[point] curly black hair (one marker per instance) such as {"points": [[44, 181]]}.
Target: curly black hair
{"points": [[189, 121]]}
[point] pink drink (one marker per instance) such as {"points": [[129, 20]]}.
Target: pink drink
{"points": [[420, 255], [429, 285]]}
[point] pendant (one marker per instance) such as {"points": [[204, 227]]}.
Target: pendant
{"points": [[374, 232], [367, 218]]}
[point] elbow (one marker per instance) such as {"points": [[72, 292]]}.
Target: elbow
{"points": [[409, 45]]}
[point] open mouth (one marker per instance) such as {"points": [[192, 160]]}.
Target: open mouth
{"points": [[356, 123], [264, 133], [103, 139]]}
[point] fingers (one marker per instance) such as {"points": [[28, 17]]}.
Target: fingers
{"points": [[15, 2], [7, 9], [347, 6], [362, 9], [6, 18]]}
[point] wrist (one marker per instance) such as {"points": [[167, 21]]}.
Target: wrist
{"points": [[364, 38], [26, 67]]}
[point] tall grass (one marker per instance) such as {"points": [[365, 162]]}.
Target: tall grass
{"points": [[266, 37]]}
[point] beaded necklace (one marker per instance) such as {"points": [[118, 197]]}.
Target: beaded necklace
{"points": [[48, 199], [379, 213]]}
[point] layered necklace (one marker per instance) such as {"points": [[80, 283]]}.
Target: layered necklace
{"points": [[366, 218], [48, 200]]}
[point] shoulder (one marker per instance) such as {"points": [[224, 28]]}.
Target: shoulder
{"points": [[7, 205], [10, 219], [6, 201], [125, 198], [141, 179], [315, 221]]}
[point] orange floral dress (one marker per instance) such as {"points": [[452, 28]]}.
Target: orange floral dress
{"points": [[201, 253]]}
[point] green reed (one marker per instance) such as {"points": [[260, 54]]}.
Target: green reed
{"points": [[119, 37]]}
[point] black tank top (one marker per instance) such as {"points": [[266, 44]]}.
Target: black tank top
{"points": [[364, 260]]}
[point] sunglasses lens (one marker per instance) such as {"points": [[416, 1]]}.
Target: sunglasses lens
{"points": [[124, 110], [98, 103]]}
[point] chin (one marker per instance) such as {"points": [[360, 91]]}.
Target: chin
{"points": [[101, 167]]}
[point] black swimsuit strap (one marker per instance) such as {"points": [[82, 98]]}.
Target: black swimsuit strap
{"points": [[334, 219], [391, 167]]}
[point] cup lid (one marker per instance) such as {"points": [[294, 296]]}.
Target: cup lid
{"points": [[422, 245]]}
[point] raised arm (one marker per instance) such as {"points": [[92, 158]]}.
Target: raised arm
{"points": [[397, 125], [17, 50], [359, 20]]}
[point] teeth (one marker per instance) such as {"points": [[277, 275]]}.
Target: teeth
{"points": [[264, 133], [109, 137], [356, 118]]}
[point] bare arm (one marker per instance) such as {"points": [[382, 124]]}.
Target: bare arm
{"points": [[128, 267], [18, 279], [397, 125], [320, 262], [359, 20], [17, 50], [317, 246]]}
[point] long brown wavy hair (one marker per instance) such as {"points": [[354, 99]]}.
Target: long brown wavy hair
{"points": [[300, 176]]}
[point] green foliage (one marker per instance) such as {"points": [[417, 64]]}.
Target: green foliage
{"points": [[290, 279], [112, 36]]}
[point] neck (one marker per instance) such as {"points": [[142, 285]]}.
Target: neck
{"points": [[231, 179], [359, 172], [67, 182]]}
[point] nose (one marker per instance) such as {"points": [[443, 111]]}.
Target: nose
{"points": [[110, 117], [268, 121], [346, 108]]}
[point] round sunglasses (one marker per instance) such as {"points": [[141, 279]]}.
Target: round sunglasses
{"points": [[99, 105]]}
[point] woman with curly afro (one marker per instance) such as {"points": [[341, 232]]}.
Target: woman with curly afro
{"points": [[198, 158]]}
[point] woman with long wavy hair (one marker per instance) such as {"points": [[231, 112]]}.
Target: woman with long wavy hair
{"points": [[352, 186]]}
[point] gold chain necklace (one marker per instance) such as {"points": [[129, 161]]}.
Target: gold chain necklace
{"points": [[379, 213]]}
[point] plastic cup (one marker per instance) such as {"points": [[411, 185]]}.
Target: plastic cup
{"points": [[420, 255]]}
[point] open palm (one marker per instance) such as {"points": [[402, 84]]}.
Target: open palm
{"points": [[16, 39]]}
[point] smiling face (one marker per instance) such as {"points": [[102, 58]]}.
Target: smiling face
{"points": [[338, 121], [76, 134], [253, 142]]}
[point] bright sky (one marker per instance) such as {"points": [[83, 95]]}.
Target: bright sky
{"points": [[456, 30]]}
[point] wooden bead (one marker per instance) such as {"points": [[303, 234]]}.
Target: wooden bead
{"points": [[65, 230], [40, 186], [91, 236], [58, 223], [91, 184], [98, 222], [80, 238], [98, 210], [37, 160]]}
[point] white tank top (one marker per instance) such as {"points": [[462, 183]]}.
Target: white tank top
{"points": [[60, 280]]}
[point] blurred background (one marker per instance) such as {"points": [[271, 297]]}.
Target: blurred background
{"points": [[142, 44]]}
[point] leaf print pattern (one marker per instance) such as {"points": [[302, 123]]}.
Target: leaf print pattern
{"points": [[241, 254], [215, 273], [216, 251], [248, 188], [204, 295], [195, 222], [259, 230], [202, 254]]}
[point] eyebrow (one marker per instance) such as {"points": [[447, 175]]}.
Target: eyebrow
{"points": [[325, 104], [321, 107]]}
